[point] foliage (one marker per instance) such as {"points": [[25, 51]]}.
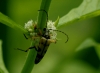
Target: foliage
{"points": [[2, 65], [86, 57]]}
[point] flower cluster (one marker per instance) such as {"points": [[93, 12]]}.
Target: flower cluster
{"points": [[50, 25], [29, 26]]}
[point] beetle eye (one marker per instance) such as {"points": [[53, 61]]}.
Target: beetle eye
{"points": [[44, 29]]}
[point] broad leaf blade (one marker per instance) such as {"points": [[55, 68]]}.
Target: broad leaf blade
{"points": [[89, 52], [2, 66], [7, 21], [87, 43], [88, 9]]}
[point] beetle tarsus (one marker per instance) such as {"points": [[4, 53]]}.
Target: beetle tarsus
{"points": [[34, 48], [27, 49]]}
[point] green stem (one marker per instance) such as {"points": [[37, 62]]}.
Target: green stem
{"points": [[29, 61], [42, 18]]}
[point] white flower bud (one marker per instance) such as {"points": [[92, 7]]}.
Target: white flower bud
{"points": [[50, 25]]}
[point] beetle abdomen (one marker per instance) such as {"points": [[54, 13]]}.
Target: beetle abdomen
{"points": [[42, 49]]}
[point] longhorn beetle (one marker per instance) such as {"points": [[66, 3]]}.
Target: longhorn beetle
{"points": [[44, 42]]}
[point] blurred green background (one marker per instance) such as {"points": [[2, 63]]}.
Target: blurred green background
{"points": [[58, 58]]}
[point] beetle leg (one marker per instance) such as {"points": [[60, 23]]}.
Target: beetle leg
{"points": [[25, 36], [33, 47], [27, 49], [30, 48], [36, 48], [52, 41]]}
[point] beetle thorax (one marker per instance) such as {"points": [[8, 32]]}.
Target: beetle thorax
{"points": [[46, 34]]}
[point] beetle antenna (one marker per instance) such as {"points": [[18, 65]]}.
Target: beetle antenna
{"points": [[63, 33], [46, 14]]}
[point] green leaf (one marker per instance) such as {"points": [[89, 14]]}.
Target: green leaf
{"points": [[89, 51], [56, 22], [7, 21], [87, 43], [88, 9], [2, 65]]}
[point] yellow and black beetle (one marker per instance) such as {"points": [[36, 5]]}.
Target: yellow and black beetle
{"points": [[44, 41], [43, 45]]}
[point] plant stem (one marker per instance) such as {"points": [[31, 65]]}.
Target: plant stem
{"points": [[42, 18], [29, 61]]}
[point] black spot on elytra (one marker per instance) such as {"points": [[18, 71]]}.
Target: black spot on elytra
{"points": [[39, 56]]}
